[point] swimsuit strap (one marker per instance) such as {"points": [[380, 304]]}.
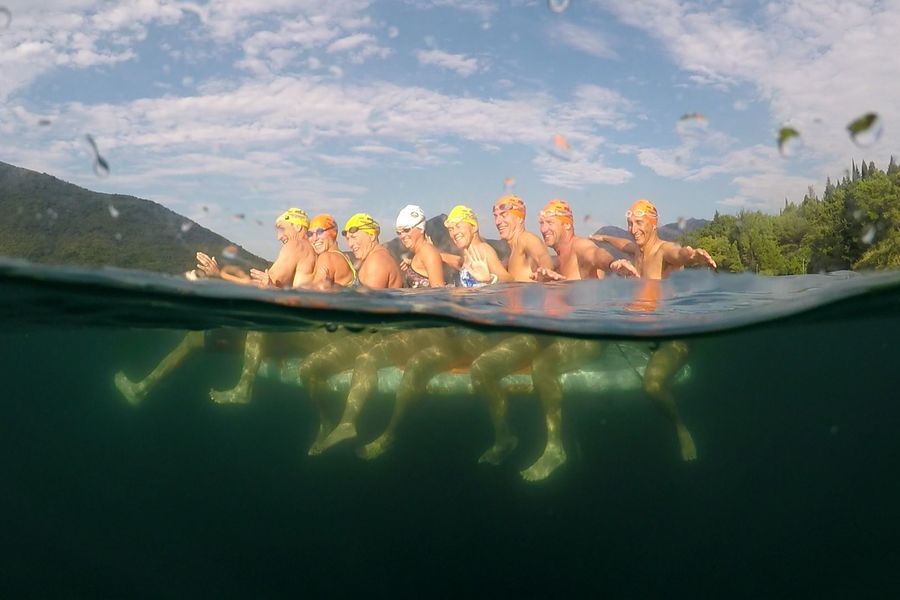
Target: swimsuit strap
{"points": [[355, 280]]}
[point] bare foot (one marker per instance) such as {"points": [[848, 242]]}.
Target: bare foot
{"points": [[238, 395], [344, 431], [500, 450], [552, 458], [316, 448], [688, 449], [133, 392], [376, 448]]}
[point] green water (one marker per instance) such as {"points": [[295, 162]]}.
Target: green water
{"points": [[794, 492]]}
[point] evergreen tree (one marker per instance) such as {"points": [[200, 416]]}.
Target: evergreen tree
{"points": [[892, 166], [864, 172]]}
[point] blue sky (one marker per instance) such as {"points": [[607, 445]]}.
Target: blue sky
{"points": [[352, 105]]}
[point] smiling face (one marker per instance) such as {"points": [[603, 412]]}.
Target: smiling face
{"points": [[285, 232], [508, 222], [462, 233], [361, 243], [410, 236], [552, 229], [324, 241], [641, 229]]}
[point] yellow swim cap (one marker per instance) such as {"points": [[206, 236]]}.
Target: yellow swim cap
{"points": [[295, 217], [362, 222], [461, 213]]}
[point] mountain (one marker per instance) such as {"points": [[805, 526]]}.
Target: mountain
{"points": [[47, 220]]}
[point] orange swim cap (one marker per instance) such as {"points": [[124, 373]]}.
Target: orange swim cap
{"points": [[326, 223], [558, 208], [510, 203], [642, 208]]}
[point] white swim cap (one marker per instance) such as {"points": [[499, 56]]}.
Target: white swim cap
{"points": [[411, 216]]}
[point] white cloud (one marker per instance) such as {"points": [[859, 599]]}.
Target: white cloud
{"points": [[445, 60], [584, 39]]}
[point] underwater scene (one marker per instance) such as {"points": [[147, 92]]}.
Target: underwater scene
{"points": [[261, 456]]}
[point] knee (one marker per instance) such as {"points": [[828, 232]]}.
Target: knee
{"points": [[653, 384]]}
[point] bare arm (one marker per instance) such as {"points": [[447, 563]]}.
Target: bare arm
{"points": [[281, 273], [453, 260], [621, 244], [538, 252], [210, 266], [681, 256], [306, 270], [434, 267]]}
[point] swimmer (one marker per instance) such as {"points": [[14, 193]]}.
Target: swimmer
{"points": [[655, 260], [653, 257], [576, 257], [527, 252], [376, 267], [424, 268], [294, 264], [479, 264], [332, 268]]}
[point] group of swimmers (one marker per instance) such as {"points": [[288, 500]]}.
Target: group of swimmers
{"points": [[310, 258]]}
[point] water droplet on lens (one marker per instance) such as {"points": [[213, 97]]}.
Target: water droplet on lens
{"points": [[52, 213], [865, 130], [691, 124], [558, 6], [113, 212], [587, 219], [869, 236], [5, 17], [239, 217], [186, 226], [508, 184], [682, 223], [788, 139], [119, 237], [230, 252], [205, 208], [45, 122], [560, 142], [331, 327], [258, 222], [393, 32], [101, 167], [857, 214]]}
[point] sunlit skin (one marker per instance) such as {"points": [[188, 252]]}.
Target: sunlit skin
{"points": [[331, 266], [426, 259], [377, 269], [292, 267], [526, 251], [479, 256], [577, 257]]}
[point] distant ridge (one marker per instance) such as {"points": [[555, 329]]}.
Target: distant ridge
{"points": [[50, 221]]}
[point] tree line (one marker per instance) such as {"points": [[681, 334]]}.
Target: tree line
{"points": [[854, 225]]}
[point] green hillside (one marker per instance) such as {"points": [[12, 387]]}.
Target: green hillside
{"points": [[50, 221]]}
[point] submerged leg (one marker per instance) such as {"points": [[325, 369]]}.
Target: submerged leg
{"points": [[661, 369], [561, 356], [318, 367], [135, 392], [240, 394], [487, 370], [391, 349]]}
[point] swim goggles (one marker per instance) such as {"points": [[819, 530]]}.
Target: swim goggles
{"points": [[504, 208], [319, 231], [355, 228], [405, 230], [555, 213], [640, 213]]}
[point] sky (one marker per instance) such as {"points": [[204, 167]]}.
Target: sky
{"points": [[228, 108]]}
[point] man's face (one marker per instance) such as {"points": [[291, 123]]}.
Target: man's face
{"points": [[552, 229], [360, 243], [641, 228], [461, 233], [506, 222], [283, 232]]}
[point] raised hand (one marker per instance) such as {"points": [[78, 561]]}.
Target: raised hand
{"points": [[477, 263], [624, 268], [207, 264], [699, 256], [260, 278], [544, 274]]}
